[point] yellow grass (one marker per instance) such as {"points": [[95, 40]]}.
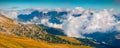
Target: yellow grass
{"points": [[11, 41], [71, 39]]}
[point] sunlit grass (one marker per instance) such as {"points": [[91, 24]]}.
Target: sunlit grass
{"points": [[11, 41], [71, 39]]}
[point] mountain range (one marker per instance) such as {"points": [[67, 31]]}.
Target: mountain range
{"points": [[17, 35], [76, 28]]}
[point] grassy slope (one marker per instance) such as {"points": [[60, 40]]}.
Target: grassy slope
{"points": [[71, 39], [11, 41], [8, 27]]}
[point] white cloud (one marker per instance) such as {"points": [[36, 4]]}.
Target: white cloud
{"points": [[45, 22], [9, 13], [101, 21]]}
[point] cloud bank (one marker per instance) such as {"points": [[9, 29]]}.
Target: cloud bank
{"points": [[90, 22], [74, 22]]}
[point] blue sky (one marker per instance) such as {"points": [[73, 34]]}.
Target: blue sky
{"points": [[92, 4]]}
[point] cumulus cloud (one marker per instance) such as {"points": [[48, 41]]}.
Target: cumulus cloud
{"points": [[47, 23], [101, 21]]}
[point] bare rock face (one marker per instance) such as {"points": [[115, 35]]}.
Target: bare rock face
{"points": [[8, 26]]}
